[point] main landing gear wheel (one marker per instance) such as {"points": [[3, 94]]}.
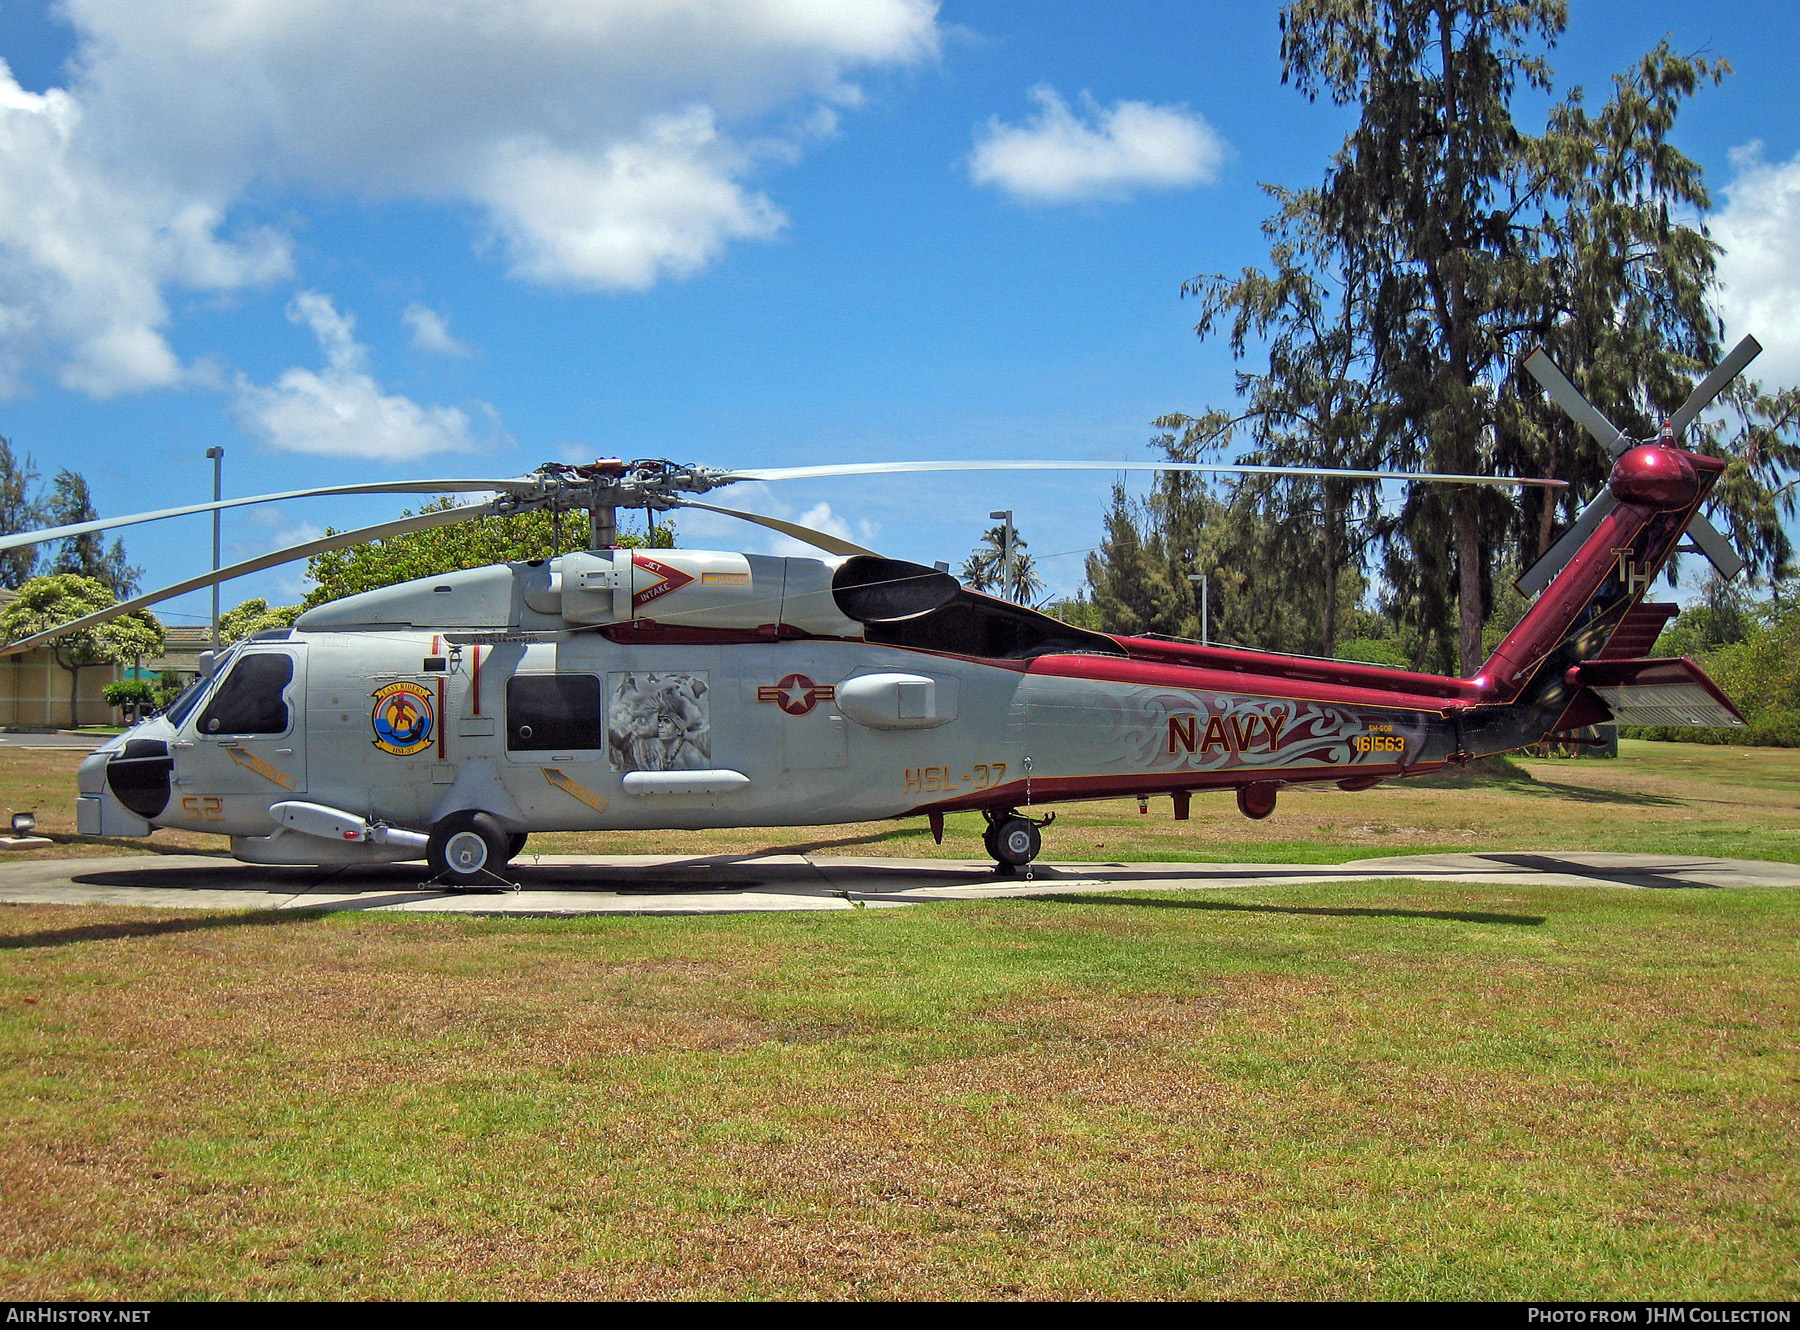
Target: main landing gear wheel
{"points": [[1013, 841], [515, 844], [465, 850]]}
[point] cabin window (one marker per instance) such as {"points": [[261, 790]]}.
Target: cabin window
{"points": [[553, 711], [251, 700]]}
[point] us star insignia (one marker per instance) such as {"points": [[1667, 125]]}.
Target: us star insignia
{"points": [[796, 694]]}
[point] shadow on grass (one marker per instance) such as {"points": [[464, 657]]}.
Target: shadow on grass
{"points": [[63, 937], [807, 847], [1586, 794], [1500, 773], [1334, 911]]}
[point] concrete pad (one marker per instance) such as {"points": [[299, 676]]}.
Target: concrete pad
{"points": [[86, 743], [717, 884]]}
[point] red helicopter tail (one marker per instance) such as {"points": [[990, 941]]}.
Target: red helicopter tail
{"points": [[1577, 657]]}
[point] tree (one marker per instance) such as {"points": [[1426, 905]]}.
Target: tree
{"points": [[1617, 288], [44, 603], [985, 569], [1755, 496], [1263, 588], [85, 555], [1480, 238], [1128, 574], [1723, 617], [1314, 406], [253, 616], [132, 696], [18, 512], [444, 549]]}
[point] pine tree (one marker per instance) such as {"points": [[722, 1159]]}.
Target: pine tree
{"points": [[18, 512], [85, 555]]}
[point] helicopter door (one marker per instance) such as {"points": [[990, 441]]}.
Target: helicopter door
{"points": [[255, 723]]}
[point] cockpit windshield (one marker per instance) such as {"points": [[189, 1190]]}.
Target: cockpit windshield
{"points": [[186, 701], [190, 697]]}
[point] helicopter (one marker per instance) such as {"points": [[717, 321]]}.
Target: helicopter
{"points": [[449, 717]]}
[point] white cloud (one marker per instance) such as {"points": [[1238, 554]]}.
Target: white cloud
{"points": [[86, 250], [698, 527], [622, 217], [1759, 270], [820, 518], [1058, 156], [431, 331], [605, 143], [341, 411]]}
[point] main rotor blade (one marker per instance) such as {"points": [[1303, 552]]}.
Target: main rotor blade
{"points": [[1556, 558], [1715, 383], [1583, 412], [419, 522], [378, 487], [1716, 547], [821, 539], [895, 468]]}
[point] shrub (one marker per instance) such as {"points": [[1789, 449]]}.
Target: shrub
{"points": [[1374, 651]]}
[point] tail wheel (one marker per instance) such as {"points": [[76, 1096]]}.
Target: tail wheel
{"points": [[467, 849], [1013, 842]]}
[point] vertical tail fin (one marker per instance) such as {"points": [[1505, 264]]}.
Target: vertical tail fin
{"points": [[1657, 490]]}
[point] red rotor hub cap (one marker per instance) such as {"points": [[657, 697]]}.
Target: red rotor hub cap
{"points": [[1652, 476]]}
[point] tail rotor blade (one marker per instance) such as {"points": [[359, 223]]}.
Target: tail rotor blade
{"points": [[419, 522], [818, 539], [1557, 557], [1583, 412], [1715, 383], [1716, 547]]}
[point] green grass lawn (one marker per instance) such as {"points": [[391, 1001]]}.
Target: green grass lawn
{"points": [[1381, 1090], [1386, 1089]]}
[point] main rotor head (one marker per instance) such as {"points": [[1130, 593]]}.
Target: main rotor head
{"points": [[611, 482]]}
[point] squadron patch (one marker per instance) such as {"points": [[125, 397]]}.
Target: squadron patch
{"points": [[403, 719]]}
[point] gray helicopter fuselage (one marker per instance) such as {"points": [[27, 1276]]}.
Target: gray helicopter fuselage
{"points": [[544, 695]]}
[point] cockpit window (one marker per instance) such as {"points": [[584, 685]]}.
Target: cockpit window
{"points": [[250, 700]]}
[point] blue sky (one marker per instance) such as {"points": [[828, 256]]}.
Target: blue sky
{"points": [[781, 252]]}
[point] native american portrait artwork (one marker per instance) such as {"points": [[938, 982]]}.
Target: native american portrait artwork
{"points": [[658, 720]]}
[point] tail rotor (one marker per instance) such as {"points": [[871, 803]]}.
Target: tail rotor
{"points": [[1706, 537]]}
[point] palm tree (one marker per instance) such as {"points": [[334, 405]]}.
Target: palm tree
{"points": [[982, 569]]}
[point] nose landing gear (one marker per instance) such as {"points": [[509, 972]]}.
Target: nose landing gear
{"points": [[1012, 838]]}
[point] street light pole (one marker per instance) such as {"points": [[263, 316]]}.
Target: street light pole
{"points": [[218, 460], [1007, 579], [1201, 579]]}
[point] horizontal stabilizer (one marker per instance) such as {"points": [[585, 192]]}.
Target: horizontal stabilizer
{"points": [[1637, 633], [1669, 691]]}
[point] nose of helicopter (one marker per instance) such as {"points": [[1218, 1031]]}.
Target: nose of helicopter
{"points": [[90, 778], [1654, 476], [137, 767]]}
